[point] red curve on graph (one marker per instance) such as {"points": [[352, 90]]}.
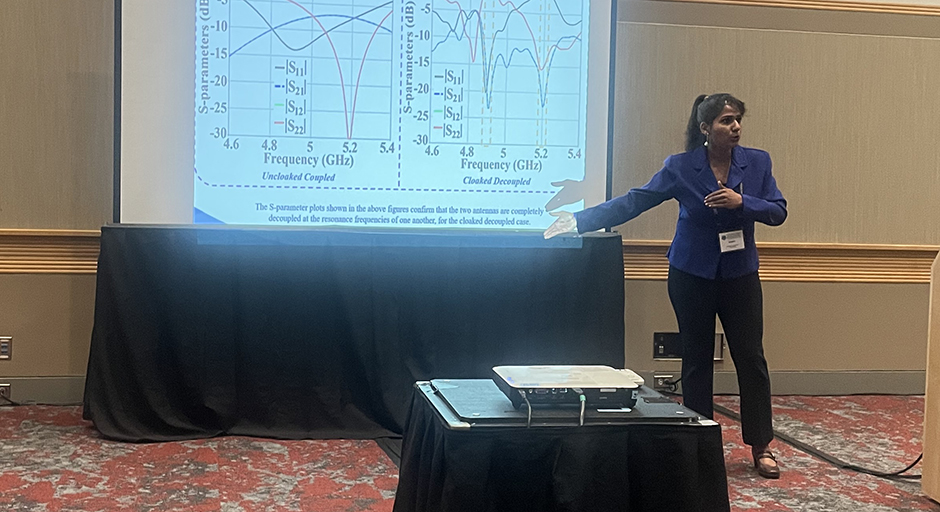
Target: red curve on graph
{"points": [[339, 67], [362, 65]]}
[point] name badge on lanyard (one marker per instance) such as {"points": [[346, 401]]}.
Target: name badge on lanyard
{"points": [[730, 241]]}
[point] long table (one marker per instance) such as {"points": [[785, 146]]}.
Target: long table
{"points": [[301, 333]]}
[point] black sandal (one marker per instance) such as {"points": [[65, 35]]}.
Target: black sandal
{"points": [[763, 469]]}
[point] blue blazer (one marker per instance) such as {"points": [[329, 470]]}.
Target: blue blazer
{"points": [[688, 178]]}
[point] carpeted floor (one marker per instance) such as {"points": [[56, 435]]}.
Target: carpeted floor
{"points": [[52, 460], [879, 432]]}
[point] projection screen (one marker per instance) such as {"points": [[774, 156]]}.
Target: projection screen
{"points": [[439, 114]]}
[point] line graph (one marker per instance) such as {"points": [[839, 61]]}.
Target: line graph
{"points": [[493, 46], [313, 101], [273, 29], [316, 56]]}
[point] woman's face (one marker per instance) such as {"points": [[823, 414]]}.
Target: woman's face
{"points": [[725, 130]]}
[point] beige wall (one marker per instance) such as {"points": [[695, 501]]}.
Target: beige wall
{"points": [[846, 103], [56, 78], [50, 317], [849, 119], [809, 327]]}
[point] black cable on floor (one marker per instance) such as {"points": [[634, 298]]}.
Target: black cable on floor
{"points": [[893, 475], [799, 445], [9, 402]]}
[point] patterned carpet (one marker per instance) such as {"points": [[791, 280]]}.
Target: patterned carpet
{"points": [[52, 460], [879, 432]]}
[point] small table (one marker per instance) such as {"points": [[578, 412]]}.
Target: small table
{"points": [[481, 456]]}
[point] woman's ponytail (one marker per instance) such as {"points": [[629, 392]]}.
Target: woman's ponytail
{"points": [[694, 137]]}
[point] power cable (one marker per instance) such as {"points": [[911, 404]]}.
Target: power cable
{"points": [[528, 417], [583, 401], [12, 403], [9, 401], [835, 461]]}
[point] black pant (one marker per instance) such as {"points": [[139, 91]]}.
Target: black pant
{"points": [[738, 303]]}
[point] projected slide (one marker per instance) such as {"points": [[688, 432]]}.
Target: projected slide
{"points": [[370, 113]]}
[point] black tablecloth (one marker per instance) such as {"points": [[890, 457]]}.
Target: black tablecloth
{"points": [[631, 467], [317, 334]]}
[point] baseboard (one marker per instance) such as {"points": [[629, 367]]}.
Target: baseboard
{"points": [[857, 382], [869, 382], [46, 390]]}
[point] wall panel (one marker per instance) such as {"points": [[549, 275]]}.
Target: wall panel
{"points": [[56, 81], [50, 318], [845, 101], [867, 328], [850, 122]]}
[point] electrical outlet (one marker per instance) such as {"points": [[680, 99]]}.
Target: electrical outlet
{"points": [[663, 382], [5, 391], [667, 346], [6, 347]]}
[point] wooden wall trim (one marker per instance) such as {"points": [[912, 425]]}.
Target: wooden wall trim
{"points": [[804, 262], [48, 251], [76, 252], [826, 5]]}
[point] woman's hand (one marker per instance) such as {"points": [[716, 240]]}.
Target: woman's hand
{"points": [[571, 192], [724, 197], [565, 223]]}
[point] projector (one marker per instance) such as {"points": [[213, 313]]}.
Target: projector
{"points": [[601, 386]]}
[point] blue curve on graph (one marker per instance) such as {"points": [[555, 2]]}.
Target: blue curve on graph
{"points": [[274, 29]]}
